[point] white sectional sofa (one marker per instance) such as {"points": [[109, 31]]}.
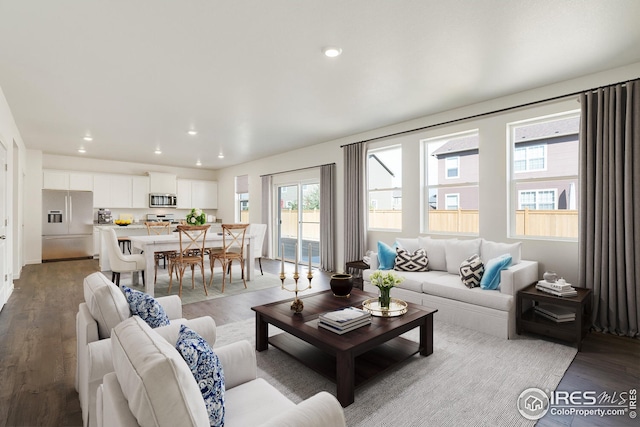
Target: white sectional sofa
{"points": [[153, 386], [489, 311]]}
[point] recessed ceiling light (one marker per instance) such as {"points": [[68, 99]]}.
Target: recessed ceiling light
{"points": [[198, 163], [332, 51], [192, 132], [158, 151], [82, 150], [88, 138], [221, 156]]}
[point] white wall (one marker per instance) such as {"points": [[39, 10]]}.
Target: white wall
{"points": [[12, 141], [560, 256]]}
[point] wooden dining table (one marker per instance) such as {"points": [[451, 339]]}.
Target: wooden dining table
{"points": [[150, 244]]}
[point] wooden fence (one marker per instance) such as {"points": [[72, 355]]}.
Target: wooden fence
{"points": [[552, 223], [548, 223]]}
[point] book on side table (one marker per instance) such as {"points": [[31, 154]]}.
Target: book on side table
{"points": [[344, 320], [555, 312], [556, 288]]}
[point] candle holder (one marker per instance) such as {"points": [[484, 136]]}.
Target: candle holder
{"points": [[296, 305]]}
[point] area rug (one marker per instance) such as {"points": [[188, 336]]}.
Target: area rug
{"points": [[470, 379], [233, 287]]}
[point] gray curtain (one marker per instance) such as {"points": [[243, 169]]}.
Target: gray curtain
{"points": [[610, 205], [267, 181], [354, 202], [327, 218]]}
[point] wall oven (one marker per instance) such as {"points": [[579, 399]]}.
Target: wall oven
{"points": [[163, 200]]}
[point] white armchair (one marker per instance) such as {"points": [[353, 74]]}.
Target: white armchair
{"points": [[105, 307], [153, 385]]}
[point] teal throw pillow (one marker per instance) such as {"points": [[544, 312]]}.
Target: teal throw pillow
{"points": [[491, 277], [207, 371], [386, 256], [146, 307]]}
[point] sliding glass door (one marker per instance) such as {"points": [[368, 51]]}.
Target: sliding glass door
{"points": [[299, 222]]}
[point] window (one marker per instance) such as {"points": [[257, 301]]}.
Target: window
{"points": [[451, 163], [384, 184], [242, 198], [544, 176], [529, 158], [452, 202], [451, 195], [537, 199]]}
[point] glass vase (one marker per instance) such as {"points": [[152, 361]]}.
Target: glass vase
{"points": [[384, 298]]}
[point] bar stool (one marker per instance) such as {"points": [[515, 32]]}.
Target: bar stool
{"points": [[124, 243]]}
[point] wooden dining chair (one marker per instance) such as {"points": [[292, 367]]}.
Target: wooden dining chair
{"points": [[233, 236], [192, 240], [159, 228]]}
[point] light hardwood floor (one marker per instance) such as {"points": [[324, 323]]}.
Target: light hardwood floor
{"points": [[38, 346]]}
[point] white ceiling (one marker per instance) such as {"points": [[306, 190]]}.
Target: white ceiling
{"points": [[250, 77]]}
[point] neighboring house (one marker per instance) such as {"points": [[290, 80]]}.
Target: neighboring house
{"points": [[383, 177], [542, 150], [457, 165]]}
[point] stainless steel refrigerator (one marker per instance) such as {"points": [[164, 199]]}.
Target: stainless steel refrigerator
{"points": [[67, 224]]}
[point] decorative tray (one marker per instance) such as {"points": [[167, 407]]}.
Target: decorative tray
{"points": [[397, 307]]}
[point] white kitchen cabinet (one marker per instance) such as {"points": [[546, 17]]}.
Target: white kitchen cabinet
{"points": [[162, 183], [65, 180], [102, 191], [96, 242], [184, 193], [140, 192], [197, 194], [80, 181], [55, 180], [112, 191], [204, 194], [120, 190]]}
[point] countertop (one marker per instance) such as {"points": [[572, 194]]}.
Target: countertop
{"points": [[139, 226]]}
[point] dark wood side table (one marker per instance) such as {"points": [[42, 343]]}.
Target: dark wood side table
{"points": [[528, 321], [357, 277]]}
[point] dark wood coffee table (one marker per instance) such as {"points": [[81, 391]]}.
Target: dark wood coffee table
{"points": [[350, 359]]}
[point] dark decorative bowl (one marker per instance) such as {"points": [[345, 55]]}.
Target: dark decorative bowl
{"points": [[341, 284]]}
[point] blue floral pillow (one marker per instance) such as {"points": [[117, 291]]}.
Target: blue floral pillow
{"points": [[206, 369], [146, 307]]}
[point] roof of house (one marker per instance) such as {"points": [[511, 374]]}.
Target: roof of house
{"points": [[547, 129], [457, 145], [526, 133]]}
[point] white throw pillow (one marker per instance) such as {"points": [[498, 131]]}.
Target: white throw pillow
{"points": [[106, 302], [457, 251], [156, 381], [435, 252], [491, 250], [408, 244]]}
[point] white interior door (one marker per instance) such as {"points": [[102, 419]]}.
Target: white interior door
{"points": [[4, 284]]}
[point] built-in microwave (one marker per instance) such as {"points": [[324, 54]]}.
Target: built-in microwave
{"points": [[163, 200]]}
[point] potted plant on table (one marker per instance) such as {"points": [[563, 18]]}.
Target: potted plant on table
{"points": [[196, 217], [384, 281]]}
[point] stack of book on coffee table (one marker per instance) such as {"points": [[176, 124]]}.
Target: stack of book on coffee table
{"points": [[559, 288], [555, 313], [344, 320]]}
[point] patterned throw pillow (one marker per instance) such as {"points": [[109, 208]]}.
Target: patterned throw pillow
{"points": [[146, 307], [407, 261], [471, 271], [206, 369]]}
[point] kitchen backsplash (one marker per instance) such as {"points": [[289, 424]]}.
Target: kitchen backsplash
{"points": [[140, 215]]}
